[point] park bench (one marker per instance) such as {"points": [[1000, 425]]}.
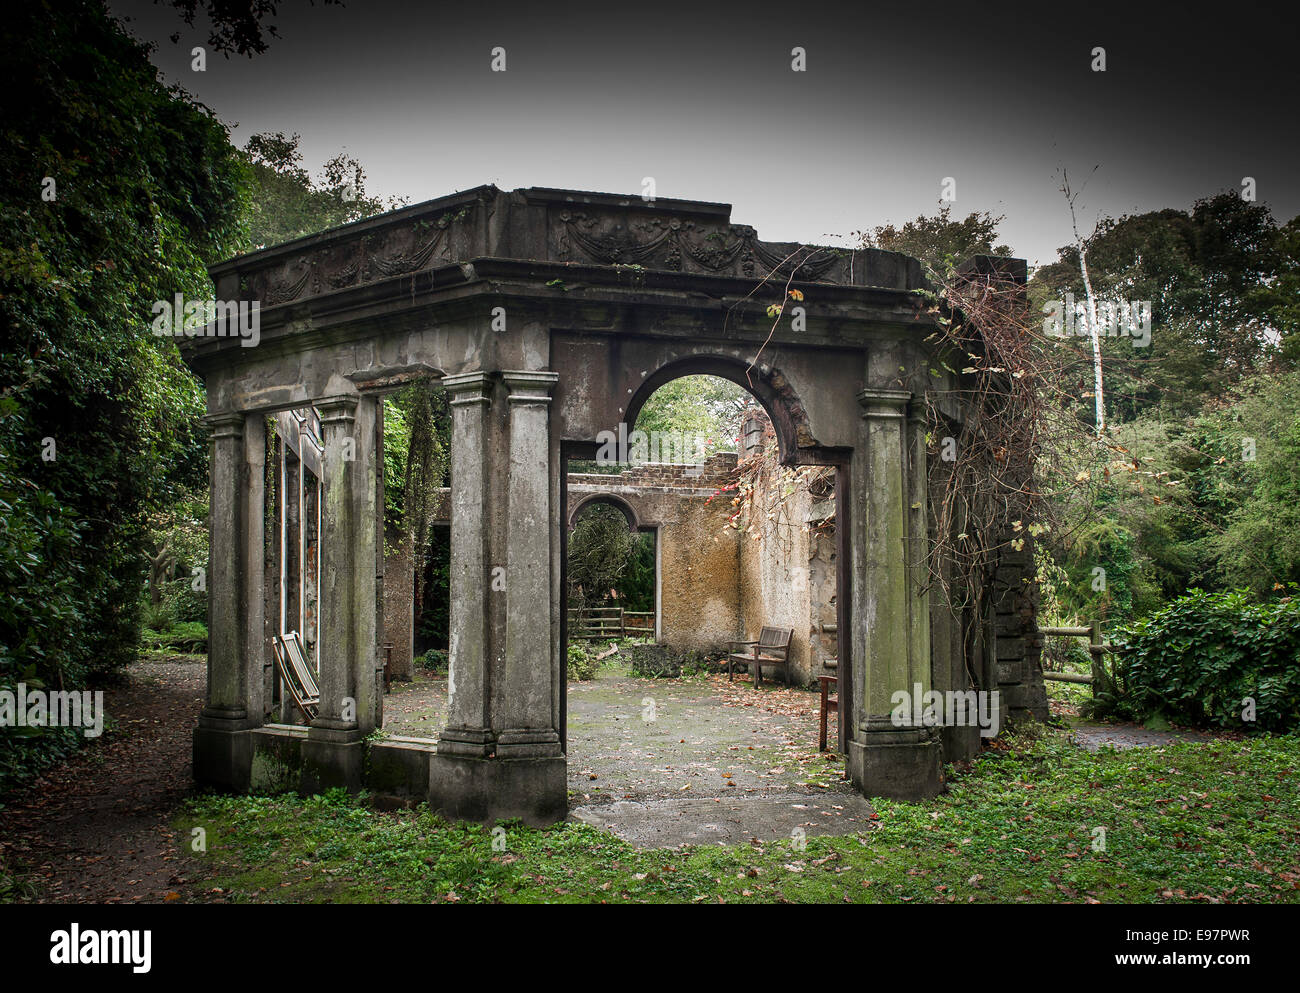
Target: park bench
{"points": [[296, 674], [771, 649]]}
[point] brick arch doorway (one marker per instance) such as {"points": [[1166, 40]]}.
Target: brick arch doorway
{"points": [[579, 487]]}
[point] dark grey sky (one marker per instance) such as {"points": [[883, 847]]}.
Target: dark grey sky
{"points": [[701, 97]]}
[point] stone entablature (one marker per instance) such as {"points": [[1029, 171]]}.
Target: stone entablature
{"points": [[566, 226]]}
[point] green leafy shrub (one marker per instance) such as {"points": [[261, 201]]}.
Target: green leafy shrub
{"points": [[435, 660], [184, 636], [583, 664], [665, 662], [1196, 660]]}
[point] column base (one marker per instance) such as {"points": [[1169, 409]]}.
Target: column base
{"points": [[488, 790], [223, 757], [476, 743], [903, 764], [528, 743], [333, 758], [960, 742]]}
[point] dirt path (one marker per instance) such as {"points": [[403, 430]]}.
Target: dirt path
{"points": [[96, 828]]}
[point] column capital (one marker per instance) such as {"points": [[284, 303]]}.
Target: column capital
{"points": [[225, 424], [884, 403], [336, 409], [468, 387], [530, 387]]}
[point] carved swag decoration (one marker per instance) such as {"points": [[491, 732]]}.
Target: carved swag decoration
{"points": [[376, 255], [668, 243]]}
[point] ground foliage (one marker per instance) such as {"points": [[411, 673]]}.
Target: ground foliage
{"points": [[1208, 822]]}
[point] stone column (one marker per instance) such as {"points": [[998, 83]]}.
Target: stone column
{"points": [[469, 726], [888, 757], [918, 546], [348, 673], [222, 754], [527, 727], [291, 572], [499, 756]]}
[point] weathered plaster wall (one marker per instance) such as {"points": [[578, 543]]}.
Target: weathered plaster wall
{"points": [[699, 577], [718, 583], [788, 570]]}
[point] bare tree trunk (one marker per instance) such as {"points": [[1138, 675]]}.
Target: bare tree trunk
{"points": [[1093, 331], [1095, 334]]}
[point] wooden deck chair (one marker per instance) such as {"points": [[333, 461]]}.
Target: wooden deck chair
{"points": [[296, 674]]}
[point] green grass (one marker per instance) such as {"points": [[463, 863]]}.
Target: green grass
{"points": [[1189, 822]]}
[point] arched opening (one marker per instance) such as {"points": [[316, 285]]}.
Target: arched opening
{"points": [[750, 535], [611, 570]]}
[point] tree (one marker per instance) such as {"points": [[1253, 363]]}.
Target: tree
{"points": [[600, 546], [939, 242], [706, 407], [99, 219], [238, 26], [286, 203], [1216, 278], [1094, 331]]}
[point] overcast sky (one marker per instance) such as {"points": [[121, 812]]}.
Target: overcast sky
{"points": [[701, 97]]}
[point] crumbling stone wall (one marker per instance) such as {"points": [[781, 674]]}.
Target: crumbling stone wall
{"points": [[1019, 643]]}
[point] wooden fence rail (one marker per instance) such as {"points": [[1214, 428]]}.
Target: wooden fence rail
{"points": [[1097, 647], [639, 620]]}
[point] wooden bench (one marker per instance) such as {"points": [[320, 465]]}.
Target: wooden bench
{"points": [[771, 649], [296, 674], [829, 704]]}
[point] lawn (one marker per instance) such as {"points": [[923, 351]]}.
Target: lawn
{"points": [[1190, 822]]}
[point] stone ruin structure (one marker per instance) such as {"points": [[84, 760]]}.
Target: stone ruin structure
{"points": [[549, 316]]}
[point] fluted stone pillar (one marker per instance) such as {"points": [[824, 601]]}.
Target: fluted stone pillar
{"points": [[222, 754], [348, 661], [527, 729], [888, 757], [469, 724], [499, 756]]}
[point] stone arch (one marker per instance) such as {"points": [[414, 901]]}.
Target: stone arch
{"points": [[768, 385], [610, 499]]}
